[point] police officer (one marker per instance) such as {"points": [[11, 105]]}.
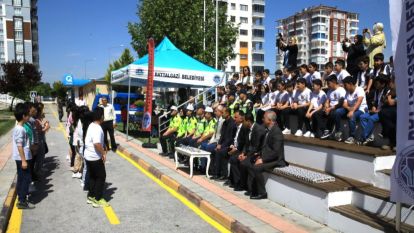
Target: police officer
{"points": [[246, 105], [168, 137]]}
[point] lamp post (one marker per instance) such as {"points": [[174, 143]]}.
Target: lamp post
{"points": [[86, 62], [217, 31]]}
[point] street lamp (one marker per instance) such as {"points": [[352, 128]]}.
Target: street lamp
{"points": [[109, 51], [217, 31], [85, 62]]}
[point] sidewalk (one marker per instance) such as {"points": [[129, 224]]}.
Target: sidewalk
{"points": [[259, 215]]}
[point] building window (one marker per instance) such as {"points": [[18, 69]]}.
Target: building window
{"points": [[258, 21], [17, 2], [258, 33], [18, 35], [319, 36], [258, 57], [259, 8], [244, 7], [243, 44], [257, 45], [244, 20], [233, 19], [243, 56], [19, 57], [18, 11], [18, 24], [244, 32], [233, 6]]}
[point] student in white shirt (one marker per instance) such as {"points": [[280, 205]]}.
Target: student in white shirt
{"points": [[246, 77], [283, 103], [299, 107], [365, 75], [335, 100], [314, 73], [328, 68], [95, 156], [340, 71], [355, 104], [379, 66], [315, 110], [304, 73]]}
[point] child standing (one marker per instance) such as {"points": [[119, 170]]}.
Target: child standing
{"points": [[22, 155]]}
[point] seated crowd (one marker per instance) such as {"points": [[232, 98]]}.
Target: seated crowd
{"points": [[245, 127]]}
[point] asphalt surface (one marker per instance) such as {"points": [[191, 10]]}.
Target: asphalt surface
{"points": [[139, 203]]}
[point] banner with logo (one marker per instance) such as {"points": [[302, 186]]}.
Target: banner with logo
{"points": [[402, 29], [146, 121]]}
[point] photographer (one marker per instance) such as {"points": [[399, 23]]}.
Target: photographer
{"points": [[374, 43], [355, 52], [290, 49]]}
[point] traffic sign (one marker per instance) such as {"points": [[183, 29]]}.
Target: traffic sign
{"points": [[33, 94]]}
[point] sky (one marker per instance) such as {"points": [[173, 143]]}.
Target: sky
{"points": [[75, 34]]}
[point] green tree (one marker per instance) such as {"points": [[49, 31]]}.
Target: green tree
{"points": [[19, 79], [182, 21], [43, 89], [125, 59], [59, 90]]}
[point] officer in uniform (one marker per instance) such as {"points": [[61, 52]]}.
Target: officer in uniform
{"points": [[246, 105], [169, 136], [232, 104]]}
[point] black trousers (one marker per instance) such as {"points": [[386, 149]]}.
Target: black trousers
{"points": [[319, 121], [256, 181], [238, 173], [221, 160], [97, 176], [167, 143], [108, 127], [24, 178], [300, 113], [280, 118], [388, 120]]}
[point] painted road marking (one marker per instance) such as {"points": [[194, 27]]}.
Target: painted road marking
{"points": [[109, 212], [177, 195], [15, 221]]}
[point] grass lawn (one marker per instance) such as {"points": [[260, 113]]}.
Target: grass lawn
{"points": [[5, 114], [141, 136], [5, 126]]}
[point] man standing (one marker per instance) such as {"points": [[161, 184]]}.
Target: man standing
{"points": [[109, 123], [272, 155], [171, 132]]}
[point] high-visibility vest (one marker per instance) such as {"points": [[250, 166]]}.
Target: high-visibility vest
{"points": [[183, 127], [201, 125]]}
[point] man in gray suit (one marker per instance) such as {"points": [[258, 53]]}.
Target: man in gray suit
{"points": [[272, 155]]}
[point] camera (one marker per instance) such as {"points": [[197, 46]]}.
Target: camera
{"points": [[365, 30]]}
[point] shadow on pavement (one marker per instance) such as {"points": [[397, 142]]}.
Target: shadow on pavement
{"points": [[43, 186], [109, 192]]}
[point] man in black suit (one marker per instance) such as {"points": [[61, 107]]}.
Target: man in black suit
{"points": [[253, 137], [228, 129], [272, 155], [236, 149]]}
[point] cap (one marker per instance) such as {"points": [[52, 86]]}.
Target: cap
{"points": [[173, 108], [190, 108], [209, 109]]}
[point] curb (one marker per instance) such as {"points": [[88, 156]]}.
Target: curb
{"points": [[7, 208], [213, 212]]}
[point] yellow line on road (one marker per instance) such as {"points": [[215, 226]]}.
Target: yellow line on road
{"points": [[109, 212], [15, 221], [177, 195]]}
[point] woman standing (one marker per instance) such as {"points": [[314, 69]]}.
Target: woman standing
{"points": [[355, 52], [95, 156], [291, 52], [246, 77]]}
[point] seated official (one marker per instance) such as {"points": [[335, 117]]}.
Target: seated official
{"points": [[253, 144], [211, 144], [228, 131], [168, 137], [191, 140], [235, 150], [187, 127], [271, 155], [210, 126]]}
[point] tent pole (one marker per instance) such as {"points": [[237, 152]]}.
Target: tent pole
{"points": [[398, 217], [129, 97]]}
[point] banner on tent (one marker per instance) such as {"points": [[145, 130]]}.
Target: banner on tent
{"points": [[146, 122], [402, 26]]}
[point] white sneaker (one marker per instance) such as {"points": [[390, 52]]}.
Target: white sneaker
{"points": [[286, 131], [77, 175], [299, 133], [67, 157], [312, 135], [307, 134]]}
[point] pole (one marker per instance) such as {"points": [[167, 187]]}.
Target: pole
{"points": [[217, 36], [129, 95], [398, 217], [204, 27]]}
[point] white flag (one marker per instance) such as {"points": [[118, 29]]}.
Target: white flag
{"points": [[402, 28]]}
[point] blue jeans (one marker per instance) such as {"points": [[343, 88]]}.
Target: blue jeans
{"points": [[368, 122], [207, 147], [24, 178], [341, 113]]}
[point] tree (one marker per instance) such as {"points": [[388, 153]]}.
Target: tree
{"points": [[59, 90], [43, 89], [182, 21], [125, 59], [19, 79]]}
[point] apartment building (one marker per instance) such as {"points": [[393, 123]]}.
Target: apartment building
{"points": [[320, 31], [249, 16]]}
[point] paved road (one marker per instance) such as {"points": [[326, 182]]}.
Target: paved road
{"points": [[140, 204]]}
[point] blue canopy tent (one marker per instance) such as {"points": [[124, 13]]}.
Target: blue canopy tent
{"points": [[69, 81], [173, 68]]}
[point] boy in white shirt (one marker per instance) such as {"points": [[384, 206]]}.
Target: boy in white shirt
{"points": [[365, 75], [340, 71], [335, 100], [355, 105], [315, 110], [299, 106]]}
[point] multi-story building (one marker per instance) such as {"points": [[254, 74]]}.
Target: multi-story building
{"points": [[320, 31], [249, 16], [18, 31]]}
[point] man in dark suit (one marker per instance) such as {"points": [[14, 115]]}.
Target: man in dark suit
{"points": [[226, 140], [272, 155], [253, 137], [236, 149]]}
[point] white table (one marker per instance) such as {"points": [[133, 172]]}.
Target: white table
{"points": [[192, 153]]}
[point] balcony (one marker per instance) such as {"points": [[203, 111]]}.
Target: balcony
{"points": [[257, 63], [258, 38], [260, 51], [261, 2], [257, 26], [258, 14]]}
